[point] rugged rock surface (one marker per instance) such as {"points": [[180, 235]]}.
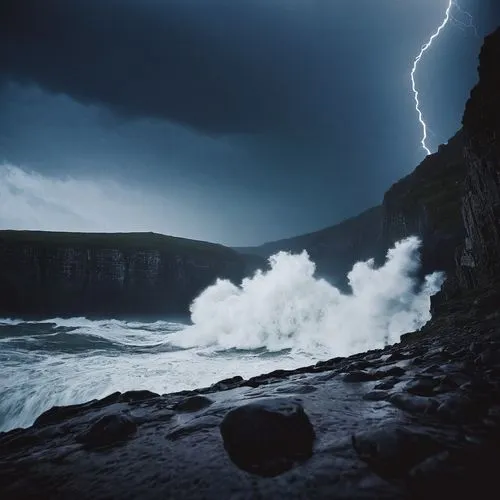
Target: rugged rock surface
{"points": [[427, 204], [44, 273], [479, 257]]}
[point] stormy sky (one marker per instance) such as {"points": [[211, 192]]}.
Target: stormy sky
{"points": [[235, 121]]}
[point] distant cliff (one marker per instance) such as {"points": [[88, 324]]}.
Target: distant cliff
{"points": [[335, 248], [426, 203], [46, 274]]}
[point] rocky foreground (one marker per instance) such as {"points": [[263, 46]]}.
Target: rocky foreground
{"points": [[420, 419]]}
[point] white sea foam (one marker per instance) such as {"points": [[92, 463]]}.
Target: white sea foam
{"points": [[287, 307]]}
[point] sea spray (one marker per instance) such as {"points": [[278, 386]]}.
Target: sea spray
{"points": [[287, 307]]}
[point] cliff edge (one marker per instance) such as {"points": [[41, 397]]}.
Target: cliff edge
{"points": [[101, 274]]}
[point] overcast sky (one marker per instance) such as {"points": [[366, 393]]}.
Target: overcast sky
{"points": [[236, 121]]}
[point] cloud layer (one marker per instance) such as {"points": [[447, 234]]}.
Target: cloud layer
{"points": [[33, 201]]}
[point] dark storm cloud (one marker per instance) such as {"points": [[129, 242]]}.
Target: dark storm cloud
{"points": [[221, 66], [251, 120], [216, 65]]}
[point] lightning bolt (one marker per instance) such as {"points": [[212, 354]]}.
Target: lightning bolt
{"points": [[467, 23]]}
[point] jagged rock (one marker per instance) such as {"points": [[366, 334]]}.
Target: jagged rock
{"points": [[132, 396], [194, 403], [460, 408], [359, 376], [57, 414], [386, 384], [413, 404], [392, 451], [108, 430], [423, 386], [267, 437], [227, 383], [390, 371], [376, 396]]}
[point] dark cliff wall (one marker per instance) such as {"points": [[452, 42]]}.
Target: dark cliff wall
{"points": [[43, 273], [478, 258], [427, 204]]}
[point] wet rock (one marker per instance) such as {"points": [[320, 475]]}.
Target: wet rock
{"points": [[397, 356], [494, 413], [460, 408], [386, 384], [423, 386], [392, 451], [359, 376], [196, 425], [437, 468], [476, 348], [391, 371], [194, 403], [58, 414], [413, 404], [133, 396], [488, 357], [376, 396], [358, 365], [108, 430], [268, 437], [227, 383], [328, 364]]}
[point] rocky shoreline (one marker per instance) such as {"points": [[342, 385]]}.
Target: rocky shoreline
{"points": [[418, 419]]}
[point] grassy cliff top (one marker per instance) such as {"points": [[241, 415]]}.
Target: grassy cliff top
{"points": [[119, 241]]}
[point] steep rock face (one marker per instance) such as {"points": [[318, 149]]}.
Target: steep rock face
{"points": [[478, 258], [107, 274], [426, 203]]}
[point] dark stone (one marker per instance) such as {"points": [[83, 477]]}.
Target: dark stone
{"points": [[392, 371], [488, 357], [330, 363], [392, 451], [133, 396], [475, 348], [227, 383], [460, 408], [422, 386], [108, 430], [194, 403], [386, 384], [57, 414], [267, 437], [376, 396], [359, 376], [413, 404], [358, 365]]}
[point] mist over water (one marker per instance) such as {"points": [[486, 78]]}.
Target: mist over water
{"points": [[281, 318]]}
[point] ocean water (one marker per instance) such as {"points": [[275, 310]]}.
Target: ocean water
{"points": [[68, 361], [283, 318]]}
